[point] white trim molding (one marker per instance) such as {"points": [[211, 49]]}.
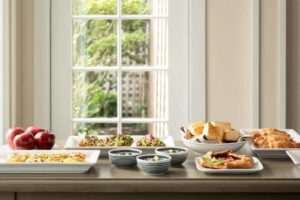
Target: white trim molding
{"points": [[255, 64], [42, 63], [197, 60], [4, 69], [282, 66]]}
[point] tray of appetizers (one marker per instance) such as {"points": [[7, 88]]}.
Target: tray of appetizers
{"points": [[47, 161], [271, 142], [227, 162], [202, 137], [146, 143]]}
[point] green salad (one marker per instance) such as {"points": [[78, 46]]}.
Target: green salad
{"points": [[150, 141], [118, 140]]}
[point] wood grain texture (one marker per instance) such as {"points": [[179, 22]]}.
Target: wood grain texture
{"points": [[151, 196], [7, 195]]}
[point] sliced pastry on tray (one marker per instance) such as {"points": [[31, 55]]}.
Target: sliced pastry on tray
{"points": [[273, 138]]}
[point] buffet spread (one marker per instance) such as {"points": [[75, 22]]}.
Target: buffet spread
{"points": [[214, 143]]}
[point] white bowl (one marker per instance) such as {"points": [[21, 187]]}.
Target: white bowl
{"points": [[202, 148]]}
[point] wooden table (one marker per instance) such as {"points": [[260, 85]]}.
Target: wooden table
{"points": [[279, 178]]}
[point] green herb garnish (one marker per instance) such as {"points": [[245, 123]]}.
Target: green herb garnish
{"points": [[212, 161]]}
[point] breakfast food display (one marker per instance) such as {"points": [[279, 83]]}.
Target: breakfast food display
{"points": [[273, 138], [150, 140], [211, 132], [73, 157], [226, 160], [215, 140], [31, 138]]}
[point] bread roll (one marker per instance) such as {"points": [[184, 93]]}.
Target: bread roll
{"points": [[224, 125], [213, 133], [196, 128], [231, 135]]}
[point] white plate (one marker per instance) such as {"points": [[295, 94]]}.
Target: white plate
{"points": [[203, 148], [72, 143], [91, 159], [294, 155], [269, 152], [257, 167]]}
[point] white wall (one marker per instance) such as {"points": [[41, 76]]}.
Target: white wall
{"points": [[229, 63]]}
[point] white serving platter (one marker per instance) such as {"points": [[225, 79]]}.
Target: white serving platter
{"points": [[72, 143], [269, 152], [91, 160], [6, 147], [294, 154], [257, 167]]}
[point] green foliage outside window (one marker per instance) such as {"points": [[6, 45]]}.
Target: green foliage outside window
{"points": [[95, 44]]}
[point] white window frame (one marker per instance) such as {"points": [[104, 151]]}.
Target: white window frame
{"points": [[4, 69], [193, 59]]}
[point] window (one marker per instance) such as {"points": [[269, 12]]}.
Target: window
{"points": [[119, 66]]}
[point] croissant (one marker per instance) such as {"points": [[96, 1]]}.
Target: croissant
{"points": [[273, 138]]}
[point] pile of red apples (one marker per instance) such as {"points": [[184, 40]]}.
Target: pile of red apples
{"points": [[31, 138]]}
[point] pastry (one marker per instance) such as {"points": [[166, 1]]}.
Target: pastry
{"points": [[196, 128], [273, 138], [226, 160], [213, 133], [46, 157]]}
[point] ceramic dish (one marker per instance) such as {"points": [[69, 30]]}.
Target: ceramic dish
{"points": [[269, 152], [154, 167], [124, 157], [6, 147], [294, 156], [178, 154], [72, 143], [202, 148], [257, 167], [5, 167]]}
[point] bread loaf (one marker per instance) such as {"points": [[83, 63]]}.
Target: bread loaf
{"points": [[196, 128], [213, 133], [231, 135]]}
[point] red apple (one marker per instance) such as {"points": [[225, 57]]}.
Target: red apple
{"points": [[34, 130], [11, 134], [44, 140], [24, 141]]}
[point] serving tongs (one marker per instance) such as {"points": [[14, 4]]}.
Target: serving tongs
{"points": [[245, 138]]}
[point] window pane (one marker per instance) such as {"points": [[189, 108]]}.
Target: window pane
{"points": [[94, 129], [144, 43], [144, 7], [158, 129], [144, 94], [94, 43], [95, 7], [94, 94]]}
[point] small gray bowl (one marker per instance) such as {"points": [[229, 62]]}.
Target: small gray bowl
{"points": [[154, 167], [119, 158], [177, 158]]}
